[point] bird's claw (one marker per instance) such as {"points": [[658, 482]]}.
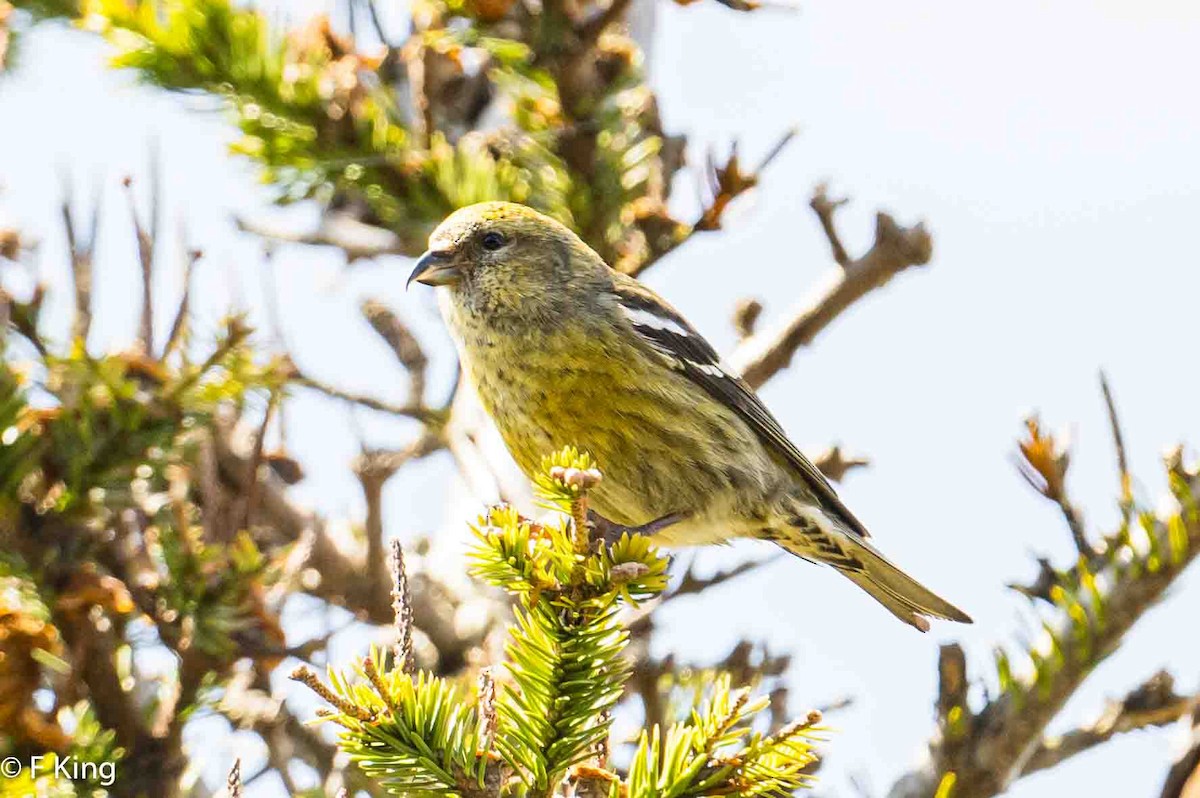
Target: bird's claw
{"points": [[610, 531]]}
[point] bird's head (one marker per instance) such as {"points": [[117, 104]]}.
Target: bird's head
{"points": [[502, 256]]}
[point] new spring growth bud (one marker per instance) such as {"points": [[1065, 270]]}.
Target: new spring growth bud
{"points": [[580, 481], [309, 679], [795, 728], [576, 477], [381, 688], [627, 572]]}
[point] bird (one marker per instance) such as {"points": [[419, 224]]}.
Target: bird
{"points": [[564, 350]]}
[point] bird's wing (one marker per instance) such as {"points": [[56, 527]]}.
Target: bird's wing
{"points": [[668, 333]]}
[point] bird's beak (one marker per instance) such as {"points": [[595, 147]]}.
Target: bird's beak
{"points": [[435, 267]]}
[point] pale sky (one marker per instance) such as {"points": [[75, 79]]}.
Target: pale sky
{"points": [[1051, 148]]}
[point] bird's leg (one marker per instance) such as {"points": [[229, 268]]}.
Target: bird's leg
{"points": [[610, 531]]}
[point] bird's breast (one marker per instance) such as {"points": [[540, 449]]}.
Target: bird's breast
{"points": [[664, 446]]}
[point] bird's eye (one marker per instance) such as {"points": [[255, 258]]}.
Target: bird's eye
{"points": [[492, 241]]}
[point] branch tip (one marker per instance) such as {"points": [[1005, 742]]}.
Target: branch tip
{"points": [[233, 783], [488, 717], [402, 652], [304, 675]]}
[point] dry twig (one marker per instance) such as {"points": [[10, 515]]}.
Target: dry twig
{"points": [[81, 248], [896, 248], [404, 346], [356, 239], [1114, 423]]}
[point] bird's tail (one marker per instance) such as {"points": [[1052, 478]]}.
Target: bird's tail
{"points": [[905, 597], [862, 564]]}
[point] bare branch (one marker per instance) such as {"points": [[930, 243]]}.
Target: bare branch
{"points": [[256, 458], [373, 472], [825, 208], [356, 239], [895, 249], [1183, 779], [145, 244], [23, 317], [591, 28], [81, 247], [419, 60], [952, 683], [377, 23], [423, 414], [374, 467], [728, 182], [182, 314], [1041, 586], [1152, 703], [6, 34], [403, 344], [834, 464], [12, 244], [334, 564], [692, 584], [777, 149], [1114, 423], [745, 317]]}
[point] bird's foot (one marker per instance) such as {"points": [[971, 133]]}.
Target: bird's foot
{"points": [[610, 531]]}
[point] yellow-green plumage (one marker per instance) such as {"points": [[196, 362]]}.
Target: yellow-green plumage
{"points": [[563, 350], [624, 408]]}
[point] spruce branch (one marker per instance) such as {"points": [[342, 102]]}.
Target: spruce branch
{"points": [[717, 752], [545, 728], [565, 633]]}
